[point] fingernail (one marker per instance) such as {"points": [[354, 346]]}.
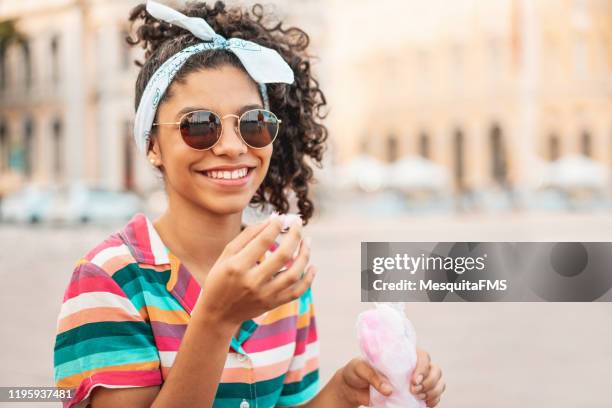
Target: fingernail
{"points": [[386, 388], [419, 378], [418, 387], [422, 396]]}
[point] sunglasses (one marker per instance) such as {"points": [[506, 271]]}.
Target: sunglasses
{"points": [[201, 129]]}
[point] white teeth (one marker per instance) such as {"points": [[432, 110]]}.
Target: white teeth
{"points": [[228, 175]]}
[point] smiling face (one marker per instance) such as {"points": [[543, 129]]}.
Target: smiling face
{"points": [[201, 177]]}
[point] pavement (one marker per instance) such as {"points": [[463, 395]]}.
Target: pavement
{"points": [[492, 354]]}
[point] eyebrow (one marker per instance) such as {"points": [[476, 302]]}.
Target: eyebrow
{"points": [[195, 108]]}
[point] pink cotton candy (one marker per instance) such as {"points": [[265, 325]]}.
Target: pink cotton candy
{"points": [[388, 341]]}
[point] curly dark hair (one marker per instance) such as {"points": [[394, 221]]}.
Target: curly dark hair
{"points": [[298, 105]]}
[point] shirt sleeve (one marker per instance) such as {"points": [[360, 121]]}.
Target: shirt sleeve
{"points": [[301, 383], [102, 340]]}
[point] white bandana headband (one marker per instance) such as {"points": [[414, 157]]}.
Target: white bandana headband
{"points": [[263, 64]]}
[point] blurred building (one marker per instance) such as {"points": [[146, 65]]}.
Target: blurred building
{"points": [[67, 92], [486, 88]]}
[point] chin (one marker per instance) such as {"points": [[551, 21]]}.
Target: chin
{"points": [[225, 205]]}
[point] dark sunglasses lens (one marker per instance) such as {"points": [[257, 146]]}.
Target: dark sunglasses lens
{"points": [[258, 127], [200, 129]]}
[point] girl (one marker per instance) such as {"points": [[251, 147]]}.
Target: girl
{"points": [[190, 310]]}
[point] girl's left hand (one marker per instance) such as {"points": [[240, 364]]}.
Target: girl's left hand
{"points": [[427, 382], [358, 375]]}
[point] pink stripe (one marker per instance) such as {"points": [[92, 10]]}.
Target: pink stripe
{"points": [[300, 346], [191, 293], [270, 342], [132, 378], [107, 243], [165, 343], [92, 284]]}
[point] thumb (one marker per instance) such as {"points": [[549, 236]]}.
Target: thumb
{"points": [[246, 236], [376, 380]]}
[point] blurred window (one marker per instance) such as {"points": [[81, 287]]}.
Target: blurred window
{"points": [[458, 153], [498, 155], [54, 48], [124, 49], [128, 157], [424, 147], [27, 64], [586, 144], [3, 147], [28, 146], [58, 148], [392, 148], [554, 147], [3, 65]]}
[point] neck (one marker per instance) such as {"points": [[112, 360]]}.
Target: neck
{"points": [[195, 235]]}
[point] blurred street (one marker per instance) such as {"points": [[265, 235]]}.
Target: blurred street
{"points": [[495, 355]]}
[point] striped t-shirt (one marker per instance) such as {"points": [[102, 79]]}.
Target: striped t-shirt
{"points": [[126, 309]]}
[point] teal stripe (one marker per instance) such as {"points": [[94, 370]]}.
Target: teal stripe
{"points": [[230, 402], [299, 398], [147, 298], [101, 344], [298, 386], [139, 284], [305, 301], [105, 359], [132, 271], [102, 329]]}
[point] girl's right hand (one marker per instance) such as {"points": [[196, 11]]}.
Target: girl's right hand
{"points": [[237, 289]]}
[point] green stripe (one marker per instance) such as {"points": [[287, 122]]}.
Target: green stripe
{"points": [[133, 286], [102, 329], [132, 271], [300, 398], [100, 344], [243, 390], [298, 386], [233, 390], [105, 359]]}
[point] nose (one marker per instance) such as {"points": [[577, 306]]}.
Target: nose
{"points": [[230, 143]]}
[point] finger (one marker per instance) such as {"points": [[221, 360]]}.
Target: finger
{"points": [[422, 367], [433, 403], [294, 274], [367, 373], [432, 379], [257, 247], [246, 236], [298, 289], [283, 254], [433, 396]]}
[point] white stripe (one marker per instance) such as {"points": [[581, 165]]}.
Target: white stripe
{"points": [[231, 361], [167, 358], [90, 300], [108, 253], [273, 356], [157, 246], [312, 350]]}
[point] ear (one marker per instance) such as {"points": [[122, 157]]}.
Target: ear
{"points": [[154, 152]]}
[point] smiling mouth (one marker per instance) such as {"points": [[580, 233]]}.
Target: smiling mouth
{"points": [[237, 174]]}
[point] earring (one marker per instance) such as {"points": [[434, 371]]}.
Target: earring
{"points": [[152, 162]]}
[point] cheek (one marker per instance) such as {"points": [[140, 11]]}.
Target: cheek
{"points": [[264, 156]]}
